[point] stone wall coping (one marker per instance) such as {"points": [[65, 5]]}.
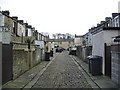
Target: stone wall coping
{"points": [[115, 52]]}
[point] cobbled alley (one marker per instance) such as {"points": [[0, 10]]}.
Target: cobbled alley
{"points": [[62, 73]]}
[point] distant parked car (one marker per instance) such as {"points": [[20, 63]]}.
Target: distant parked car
{"points": [[72, 51], [60, 49]]}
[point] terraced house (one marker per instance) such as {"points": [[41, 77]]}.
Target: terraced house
{"points": [[99, 41], [22, 45]]}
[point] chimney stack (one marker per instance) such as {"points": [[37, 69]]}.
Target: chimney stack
{"points": [[6, 12], [15, 17], [102, 22], [21, 21], [90, 30], [108, 18], [98, 24], [26, 24], [114, 15], [33, 28], [29, 26]]}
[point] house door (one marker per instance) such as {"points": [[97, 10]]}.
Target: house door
{"points": [[107, 60]]}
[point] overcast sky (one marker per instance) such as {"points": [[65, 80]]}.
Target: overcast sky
{"points": [[61, 16]]}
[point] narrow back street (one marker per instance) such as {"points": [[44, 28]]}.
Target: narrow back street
{"points": [[62, 73], [65, 44]]}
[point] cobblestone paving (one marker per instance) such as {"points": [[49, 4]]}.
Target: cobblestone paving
{"points": [[62, 73]]}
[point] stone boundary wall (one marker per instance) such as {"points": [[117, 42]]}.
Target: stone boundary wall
{"points": [[24, 58], [20, 62], [21, 39], [79, 52], [83, 52]]}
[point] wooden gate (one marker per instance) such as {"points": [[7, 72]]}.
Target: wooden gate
{"points": [[7, 63], [107, 60]]}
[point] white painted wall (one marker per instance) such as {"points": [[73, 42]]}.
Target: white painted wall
{"points": [[21, 29], [38, 36], [109, 34], [78, 41], [52, 44], [98, 46], [1, 24], [5, 37], [89, 42], [19, 32], [43, 38], [1, 19], [100, 39], [29, 32], [88, 39], [98, 43], [0, 36], [40, 43], [115, 22]]}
